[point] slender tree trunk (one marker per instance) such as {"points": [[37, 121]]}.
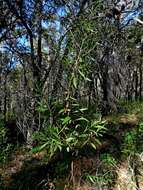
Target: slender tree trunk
{"points": [[105, 103], [5, 98], [136, 85], [1, 92], [140, 82]]}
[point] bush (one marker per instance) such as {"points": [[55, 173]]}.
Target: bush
{"points": [[133, 141], [71, 131], [5, 148]]}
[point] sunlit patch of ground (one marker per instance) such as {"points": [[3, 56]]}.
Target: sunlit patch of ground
{"points": [[126, 179], [125, 119], [130, 119]]}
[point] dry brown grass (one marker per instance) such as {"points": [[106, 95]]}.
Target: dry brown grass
{"points": [[126, 179], [129, 119]]}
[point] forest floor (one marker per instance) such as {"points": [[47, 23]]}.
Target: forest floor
{"points": [[116, 164]]}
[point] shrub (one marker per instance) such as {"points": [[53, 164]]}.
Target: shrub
{"points": [[133, 141], [71, 131], [5, 148], [2, 142]]}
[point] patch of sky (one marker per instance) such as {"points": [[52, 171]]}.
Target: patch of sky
{"points": [[12, 63], [61, 12], [29, 6], [23, 43], [129, 16]]}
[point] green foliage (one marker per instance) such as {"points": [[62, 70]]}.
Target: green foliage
{"points": [[133, 141], [105, 171], [108, 159], [129, 145], [10, 116], [41, 108], [6, 148], [131, 107], [71, 131], [100, 179], [90, 178], [140, 130]]}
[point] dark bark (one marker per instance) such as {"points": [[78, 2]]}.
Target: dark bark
{"points": [[39, 48]]}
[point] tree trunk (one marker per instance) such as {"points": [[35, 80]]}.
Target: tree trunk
{"points": [[140, 82], [5, 99]]}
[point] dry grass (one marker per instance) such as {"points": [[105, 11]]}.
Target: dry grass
{"points": [[129, 119], [126, 179]]}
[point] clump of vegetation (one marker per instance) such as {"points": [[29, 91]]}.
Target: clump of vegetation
{"points": [[5, 148], [103, 174], [133, 141], [66, 67], [72, 131]]}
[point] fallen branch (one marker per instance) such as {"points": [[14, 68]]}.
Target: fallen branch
{"points": [[138, 20]]}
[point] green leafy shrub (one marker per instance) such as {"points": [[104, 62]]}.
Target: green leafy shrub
{"points": [[5, 148], [129, 145], [71, 131], [139, 140], [108, 159], [105, 172], [133, 141]]}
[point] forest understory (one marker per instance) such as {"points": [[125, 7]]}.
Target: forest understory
{"points": [[116, 163], [71, 95]]}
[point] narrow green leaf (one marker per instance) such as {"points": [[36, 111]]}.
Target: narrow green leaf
{"points": [[82, 74], [85, 78], [82, 119], [93, 145], [83, 109], [66, 120], [69, 139], [75, 82]]}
